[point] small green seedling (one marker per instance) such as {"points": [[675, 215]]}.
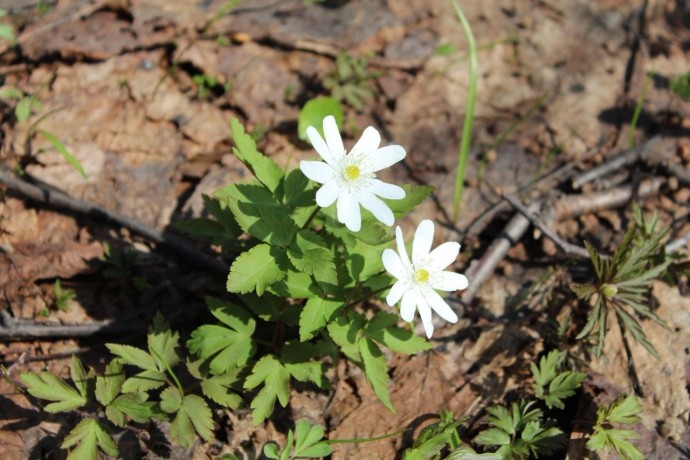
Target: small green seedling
{"points": [[63, 296], [551, 385], [624, 411], [305, 442]]}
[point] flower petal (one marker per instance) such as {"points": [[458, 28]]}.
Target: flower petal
{"points": [[402, 250], [386, 156], [384, 190], [408, 305], [333, 139], [318, 171], [393, 265], [397, 291], [443, 255], [320, 145], [448, 281], [348, 211], [421, 245], [327, 194], [439, 305], [378, 208], [366, 146], [425, 314]]}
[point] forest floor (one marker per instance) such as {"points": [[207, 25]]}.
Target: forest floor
{"points": [[141, 93]]}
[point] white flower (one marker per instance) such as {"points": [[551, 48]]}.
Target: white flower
{"points": [[350, 178], [419, 279]]}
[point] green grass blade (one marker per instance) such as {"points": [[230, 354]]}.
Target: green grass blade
{"points": [[60, 147], [638, 110], [466, 140]]}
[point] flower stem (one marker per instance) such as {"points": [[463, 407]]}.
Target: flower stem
{"points": [[311, 217], [368, 296]]}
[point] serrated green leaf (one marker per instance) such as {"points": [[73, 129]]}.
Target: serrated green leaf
{"points": [[44, 385], [144, 381], [296, 190], [182, 430], [313, 113], [263, 168], [134, 405], [200, 415], [133, 356], [79, 377], [62, 150], [308, 441], [217, 389], [276, 380], [259, 213], [493, 437], [399, 339], [296, 285], [88, 435], [171, 400], [317, 312], [563, 386], [414, 194], [625, 410], [376, 370], [255, 270], [109, 385], [548, 367], [163, 342], [309, 253], [228, 348], [346, 333]]}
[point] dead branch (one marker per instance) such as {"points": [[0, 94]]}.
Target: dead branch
{"points": [[46, 194], [568, 248], [23, 329]]}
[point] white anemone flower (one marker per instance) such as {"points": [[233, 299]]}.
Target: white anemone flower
{"points": [[351, 178], [419, 278]]}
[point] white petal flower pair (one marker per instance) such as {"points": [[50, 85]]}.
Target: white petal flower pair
{"points": [[351, 178], [419, 278]]}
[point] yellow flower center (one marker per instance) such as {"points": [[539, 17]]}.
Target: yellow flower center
{"points": [[421, 276], [351, 172]]}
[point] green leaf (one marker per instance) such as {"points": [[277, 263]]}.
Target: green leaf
{"points": [[296, 357], [276, 380], [681, 86], [563, 386], [376, 370], [313, 113], [259, 213], [109, 385], [88, 435], [307, 441], [346, 333], [226, 347], [163, 342], [625, 410], [255, 270], [297, 191], [9, 93], [44, 385], [396, 338], [296, 285], [79, 376], [62, 150], [548, 367], [144, 381], [317, 312], [200, 415], [493, 437], [133, 356], [309, 253], [414, 194], [171, 399], [217, 388], [23, 108], [133, 405], [265, 169]]}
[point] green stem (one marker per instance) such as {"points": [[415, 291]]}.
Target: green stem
{"points": [[638, 110], [358, 440], [368, 296], [170, 372], [466, 140], [311, 217]]}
